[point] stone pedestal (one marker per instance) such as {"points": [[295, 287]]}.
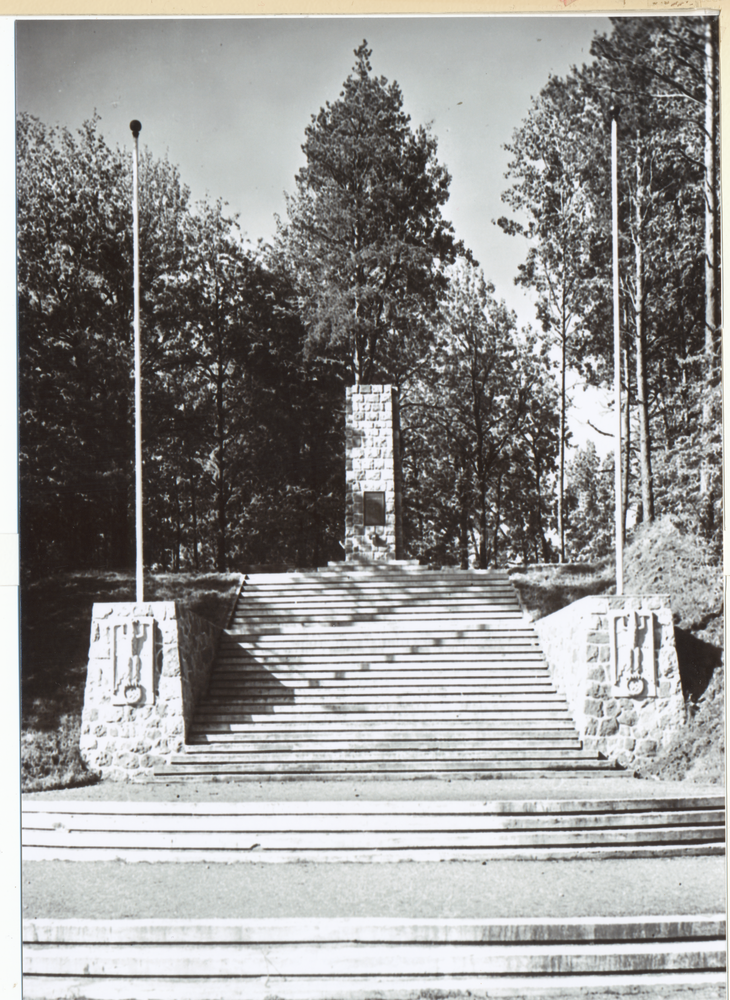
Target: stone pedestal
{"points": [[373, 525], [149, 665], [615, 660]]}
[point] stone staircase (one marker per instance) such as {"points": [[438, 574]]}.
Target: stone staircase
{"points": [[359, 958], [366, 674], [387, 671], [362, 831]]}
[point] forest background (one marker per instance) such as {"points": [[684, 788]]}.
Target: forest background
{"points": [[248, 347]]}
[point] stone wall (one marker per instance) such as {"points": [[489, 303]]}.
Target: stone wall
{"points": [[373, 465], [149, 665], [615, 660]]}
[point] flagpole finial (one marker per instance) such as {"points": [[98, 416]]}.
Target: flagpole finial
{"points": [[136, 127]]}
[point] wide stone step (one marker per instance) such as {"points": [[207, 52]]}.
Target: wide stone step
{"points": [[245, 738], [266, 726], [356, 657], [375, 831], [436, 604], [375, 743], [380, 698], [436, 579], [344, 617], [357, 958], [387, 673], [280, 930], [438, 670], [371, 764], [357, 598], [377, 637], [439, 656], [359, 841], [357, 713], [343, 577], [364, 686], [494, 627], [368, 754], [381, 638], [380, 635], [338, 582]]}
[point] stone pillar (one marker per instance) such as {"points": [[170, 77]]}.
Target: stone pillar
{"points": [[373, 522]]}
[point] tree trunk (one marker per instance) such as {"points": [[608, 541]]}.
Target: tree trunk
{"points": [[561, 483], [712, 287], [463, 533], [178, 526], [497, 517], [482, 531], [647, 492], [193, 514], [221, 469], [626, 436]]}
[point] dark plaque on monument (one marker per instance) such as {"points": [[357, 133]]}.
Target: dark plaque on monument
{"points": [[373, 509]]}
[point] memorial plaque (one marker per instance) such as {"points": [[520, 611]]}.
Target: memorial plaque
{"points": [[631, 638], [133, 642], [374, 509]]}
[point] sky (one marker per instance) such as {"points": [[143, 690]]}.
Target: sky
{"points": [[227, 100]]}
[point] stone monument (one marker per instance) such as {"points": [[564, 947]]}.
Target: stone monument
{"points": [[373, 522]]}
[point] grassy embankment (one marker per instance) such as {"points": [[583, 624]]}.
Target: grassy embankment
{"points": [[56, 615], [55, 623]]}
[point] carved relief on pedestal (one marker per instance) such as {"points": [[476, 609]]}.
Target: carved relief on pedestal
{"points": [[631, 636], [133, 642]]}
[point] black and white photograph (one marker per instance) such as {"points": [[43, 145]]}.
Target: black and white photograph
{"points": [[369, 416]]}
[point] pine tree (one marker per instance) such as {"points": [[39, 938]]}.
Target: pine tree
{"points": [[365, 243]]}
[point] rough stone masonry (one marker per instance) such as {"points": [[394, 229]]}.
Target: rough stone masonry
{"points": [[148, 666], [373, 522], [615, 660]]}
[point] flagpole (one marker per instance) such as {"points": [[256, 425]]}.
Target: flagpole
{"points": [[136, 127], [614, 111]]}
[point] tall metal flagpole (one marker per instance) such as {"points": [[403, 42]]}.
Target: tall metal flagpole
{"points": [[614, 111], [136, 127]]}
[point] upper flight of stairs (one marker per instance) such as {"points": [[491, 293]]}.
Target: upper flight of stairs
{"points": [[385, 672]]}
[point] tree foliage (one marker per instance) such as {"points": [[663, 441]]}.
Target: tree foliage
{"points": [[365, 243], [74, 315], [480, 439], [590, 496], [551, 167], [656, 69], [239, 431]]}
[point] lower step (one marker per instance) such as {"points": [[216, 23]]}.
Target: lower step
{"points": [[382, 768], [697, 984], [478, 757], [237, 743], [379, 830], [352, 959]]}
